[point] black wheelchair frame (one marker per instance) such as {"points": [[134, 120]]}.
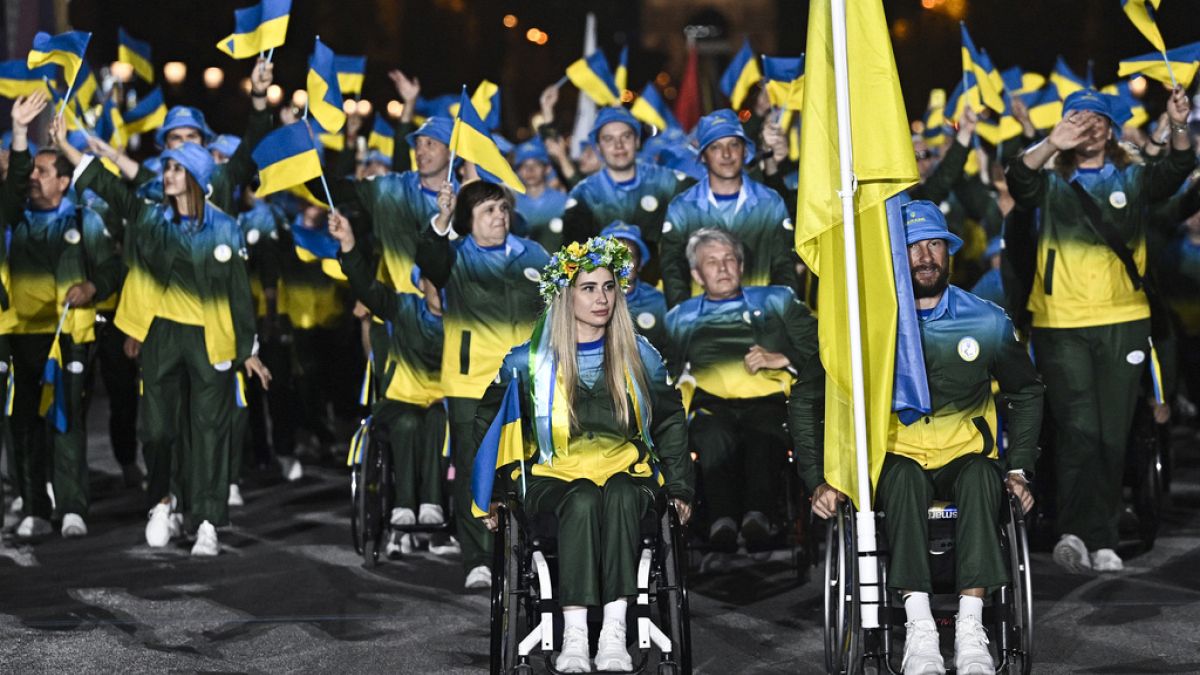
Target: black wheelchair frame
{"points": [[525, 614], [848, 646]]}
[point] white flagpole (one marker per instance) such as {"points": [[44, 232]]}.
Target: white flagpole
{"points": [[585, 111], [867, 567]]}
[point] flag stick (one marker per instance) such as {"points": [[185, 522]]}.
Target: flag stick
{"points": [[561, 81], [270, 54], [70, 88], [1170, 71], [324, 183], [454, 140], [62, 319]]}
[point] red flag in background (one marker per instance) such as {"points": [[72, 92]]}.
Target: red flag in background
{"points": [[687, 106]]}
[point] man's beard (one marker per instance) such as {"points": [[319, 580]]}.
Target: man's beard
{"points": [[934, 289]]}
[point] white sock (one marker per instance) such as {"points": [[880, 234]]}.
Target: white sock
{"points": [[575, 616], [615, 611], [970, 606], [916, 607]]}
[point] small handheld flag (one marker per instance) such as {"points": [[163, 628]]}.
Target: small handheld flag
{"points": [[621, 78], [785, 81], [1178, 65], [503, 444], [471, 141], [286, 157], [1142, 14], [18, 79], [383, 136], [651, 109], [257, 29], [110, 128], [53, 405], [1065, 79], [979, 68], [318, 245], [592, 76], [66, 49], [324, 97], [350, 72], [147, 115], [137, 54], [743, 72]]}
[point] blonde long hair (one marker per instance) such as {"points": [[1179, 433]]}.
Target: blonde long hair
{"points": [[620, 352]]}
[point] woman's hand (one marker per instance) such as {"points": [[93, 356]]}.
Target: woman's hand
{"points": [[1070, 131], [24, 111], [760, 359], [80, 295], [966, 127], [825, 500], [255, 367], [339, 228], [683, 509], [133, 348], [445, 204], [492, 520], [1019, 488], [1178, 107]]}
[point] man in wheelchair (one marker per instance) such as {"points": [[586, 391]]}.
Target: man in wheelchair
{"points": [[736, 352], [608, 433], [949, 453]]}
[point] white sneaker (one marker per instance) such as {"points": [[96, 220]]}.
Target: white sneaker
{"points": [[922, 653], [756, 531], [73, 526], [573, 657], [175, 525], [403, 516], [444, 546], [1071, 554], [399, 544], [722, 535], [235, 496], [1107, 560], [158, 528], [17, 505], [292, 469], [32, 526], [430, 514], [611, 651], [481, 577], [206, 541], [971, 655]]}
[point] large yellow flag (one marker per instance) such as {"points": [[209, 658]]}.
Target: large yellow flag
{"points": [[884, 165]]}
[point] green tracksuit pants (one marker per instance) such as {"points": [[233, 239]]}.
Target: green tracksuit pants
{"points": [[597, 533], [186, 421], [416, 436], [474, 537], [1092, 378], [741, 447], [904, 494], [41, 453]]}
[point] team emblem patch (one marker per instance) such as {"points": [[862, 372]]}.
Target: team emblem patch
{"points": [[646, 320], [1135, 357], [72, 236], [252, 237], [649, 203], [532, 274], [75, 367], [1118, 200], [223, 366], [222, 253], [667, 226], [556, 225], [968, 349]]}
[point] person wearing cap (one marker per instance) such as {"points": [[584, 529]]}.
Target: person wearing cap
{"points": [[375, 163], [625, 189], [990, 286], [647, 305], [727, 198], [1091, 315], [541, 206], [949, 453], [410, 406], [187, 308], [736, 352], [223, 147], [490, 278]]}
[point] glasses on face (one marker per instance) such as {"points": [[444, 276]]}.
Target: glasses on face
{"points": [[925, 154]]}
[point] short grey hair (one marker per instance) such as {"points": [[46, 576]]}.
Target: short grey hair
{"points": [[713, 235]]}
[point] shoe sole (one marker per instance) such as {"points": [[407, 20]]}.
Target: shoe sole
{"points": [[574, 665], [614, 665]]}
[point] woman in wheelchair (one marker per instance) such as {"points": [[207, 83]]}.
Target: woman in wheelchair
{"points": [[608, 433]]}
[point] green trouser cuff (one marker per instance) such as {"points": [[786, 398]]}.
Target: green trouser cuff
{"points": [[416, 436], [904, 494], [473, 536], [1093, 379], [741, 449], [598, 530]]}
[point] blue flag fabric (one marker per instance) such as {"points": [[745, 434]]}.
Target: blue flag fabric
{"points": [[910, 389], [503, 443]]}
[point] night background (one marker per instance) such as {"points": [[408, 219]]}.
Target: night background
{"points": [[447, 43]]}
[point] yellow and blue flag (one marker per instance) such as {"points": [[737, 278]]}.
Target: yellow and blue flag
{"points": [[324, 96], [350, 73], [934, 120], [592, 76], [328, 140], [785, 81], [978, 69], [486, 100], [239, 389], [318, 245], [110, 128], [257, 29], [1142, 14], [1045, 106], [503, 444], [147, 115], [383, 136], [85, 86], [1017, 81], [652, 109], [1066, 81], [286, 157], [18, 79], [742, 74], [472, 141], [1184, 61], [53, 405], [65, 49], [885, 166], [621, 78], [137, 54], [1137, 111]]}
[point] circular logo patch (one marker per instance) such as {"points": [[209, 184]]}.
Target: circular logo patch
{"points": [[252, 237], [787, 224], [1135, 357], [646, 320], [649, 203], [532, 274], [968, 349], [223, 366], [556, 225], [679, 175], [1118, 200], [667, 226], [746, 316], [72, 236], [222, 253], [571, 202], [75, 367]]}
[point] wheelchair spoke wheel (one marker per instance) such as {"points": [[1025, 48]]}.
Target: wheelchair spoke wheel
{"points": [[1020, 641], [842, 639], [373, 499], [355, 509], [507, 609], [675, 609]]}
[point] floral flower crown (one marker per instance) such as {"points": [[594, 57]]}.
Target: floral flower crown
{"points": [[596, 253]]}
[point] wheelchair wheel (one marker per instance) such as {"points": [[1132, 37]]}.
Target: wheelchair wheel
{"points": [[356, 496], [507, 608], [674, 606], [1149, 490], [372, 499], [842, 640], [1019, 651]]}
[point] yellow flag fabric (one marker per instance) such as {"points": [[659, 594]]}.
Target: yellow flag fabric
{"points": [[884, 165]]}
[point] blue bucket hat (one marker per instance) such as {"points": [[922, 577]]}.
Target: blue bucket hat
{"points": [[226, 144], [924, 220], [532, 149], [194, 159], [994, 246], [723, 124], [627, 232], [614, 114], [6, 143], [1089, 100], [377, 156], [183, 116], [437, 128]]}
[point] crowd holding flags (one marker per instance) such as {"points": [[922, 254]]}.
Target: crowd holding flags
{"points": [[472, 141], [742, 74]]}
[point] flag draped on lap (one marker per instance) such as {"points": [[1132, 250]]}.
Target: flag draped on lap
{"points": [[286, 157], [137, 54], [885, 166], [471, 141], [65, 49], [257, 29], [743, 72], [503, 444]]}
